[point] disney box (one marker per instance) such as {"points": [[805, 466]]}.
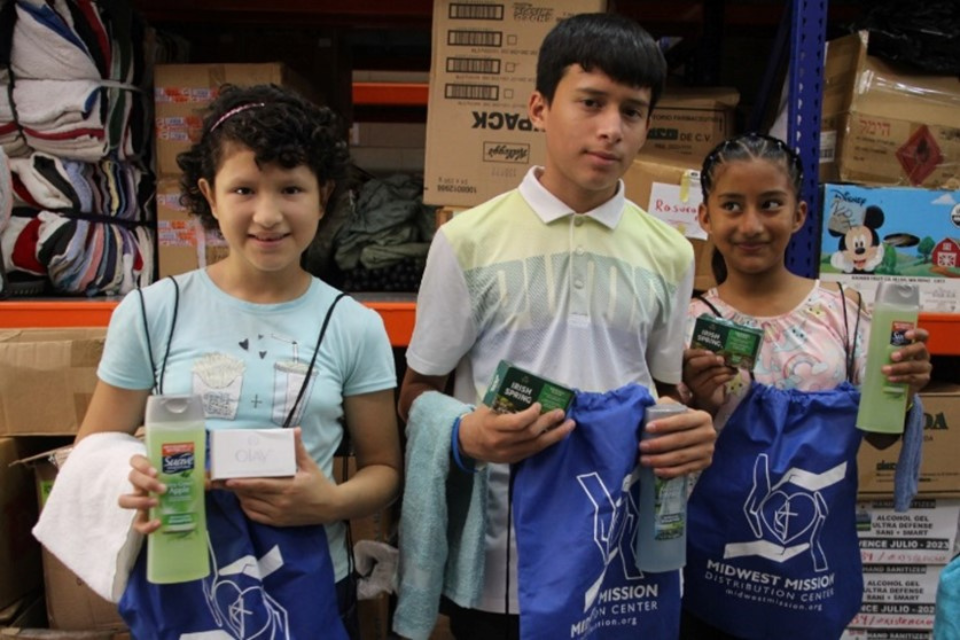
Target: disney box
{"points": [[874, 234]]}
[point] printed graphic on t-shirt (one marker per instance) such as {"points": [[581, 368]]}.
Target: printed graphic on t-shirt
{"points": [[218, 378]]}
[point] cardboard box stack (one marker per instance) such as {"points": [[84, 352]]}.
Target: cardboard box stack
{"points": [[885, 124], [480, 141], [181, 93], [47, 378], [904, 553]]}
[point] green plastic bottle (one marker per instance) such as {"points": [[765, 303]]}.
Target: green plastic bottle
{"points": [[882, 403], [176, 445]]}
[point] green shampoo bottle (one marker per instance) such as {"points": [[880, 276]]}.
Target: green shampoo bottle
{"points": [[882, 403], [176, 446]]}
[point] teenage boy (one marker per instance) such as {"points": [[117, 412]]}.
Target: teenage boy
{"points": [[564, 278]]}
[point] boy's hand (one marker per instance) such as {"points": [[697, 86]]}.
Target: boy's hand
{"points": [[488, 436], [911, 364], [143, 477], [308, 497], [684, 444], [706, 376]]}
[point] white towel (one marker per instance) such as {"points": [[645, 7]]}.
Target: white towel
{"points": [[82, 514]]}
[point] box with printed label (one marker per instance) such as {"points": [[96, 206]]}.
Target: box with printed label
{"points": [[901, 234], [939, 472], [669, 189], [689, 122], [480, 141], [182, 242], [182, 92], [887, 124], [925, 534]]}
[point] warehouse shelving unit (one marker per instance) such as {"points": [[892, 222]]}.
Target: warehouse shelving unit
{"points": [[807, 29]]}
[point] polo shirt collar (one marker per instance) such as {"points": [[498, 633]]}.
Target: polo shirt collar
{"points": [[549, 208]]}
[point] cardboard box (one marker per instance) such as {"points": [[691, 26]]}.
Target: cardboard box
{"points": [[183, 91], [876, 234], [480, 141], [887, 124], [689, 122], [71, 604], [182, 243], [669, 188], [47, 378], [939, 471], [19, 550]]}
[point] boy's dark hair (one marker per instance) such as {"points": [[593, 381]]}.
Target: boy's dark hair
{"points": [[607, 42], [748, 146], [277, 124]]}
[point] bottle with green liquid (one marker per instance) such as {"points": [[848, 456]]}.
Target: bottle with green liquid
{"points": [[176, 446], [883, 403]]}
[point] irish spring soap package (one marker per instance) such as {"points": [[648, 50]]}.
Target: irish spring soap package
{"points": [[738, 344], [512, 389]]}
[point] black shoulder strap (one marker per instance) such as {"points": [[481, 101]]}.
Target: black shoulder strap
{"points": [[850, 342], [158, 375], [709, 304], [313, 360]]}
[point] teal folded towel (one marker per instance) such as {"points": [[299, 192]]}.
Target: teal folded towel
{"points": [[442, 520]]}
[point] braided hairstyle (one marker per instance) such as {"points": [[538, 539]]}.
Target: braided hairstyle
{"points": [[278, 125], [748, 146]]}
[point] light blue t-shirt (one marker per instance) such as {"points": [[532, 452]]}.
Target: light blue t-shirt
{"points": [[248, 360]]}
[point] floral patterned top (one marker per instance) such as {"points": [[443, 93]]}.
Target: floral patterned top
{"points": [[803, 349]]}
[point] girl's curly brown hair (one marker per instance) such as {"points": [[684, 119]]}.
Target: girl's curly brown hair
{"points": [[279, 126]]}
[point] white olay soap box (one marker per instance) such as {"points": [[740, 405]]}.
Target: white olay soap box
{"points": [[252, 453]]}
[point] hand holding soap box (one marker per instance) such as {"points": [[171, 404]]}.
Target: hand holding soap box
{"points": [[737, 343], [512, 389]]}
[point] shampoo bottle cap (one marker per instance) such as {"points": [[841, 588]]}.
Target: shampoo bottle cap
{"points": [[174, 408]]}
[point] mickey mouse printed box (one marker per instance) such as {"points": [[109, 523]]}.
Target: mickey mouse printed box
{"points": [[874, 234]]}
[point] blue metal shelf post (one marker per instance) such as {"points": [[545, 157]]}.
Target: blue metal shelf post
{"points": [[807, 37]]}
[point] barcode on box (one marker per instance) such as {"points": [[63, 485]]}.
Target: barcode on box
{"points": [[471, 92], [473, 65], [474, 38], [476, 11]]}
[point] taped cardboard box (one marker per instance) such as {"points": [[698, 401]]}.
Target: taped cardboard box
{"points": [[182, 243], [182, 92], [47, 378], [480, 141], [670, 190], [886, 124], [939, 472]]}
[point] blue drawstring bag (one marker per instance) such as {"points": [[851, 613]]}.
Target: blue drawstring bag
{"points": [[575, 516], [772, 549], [265, 582]]}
